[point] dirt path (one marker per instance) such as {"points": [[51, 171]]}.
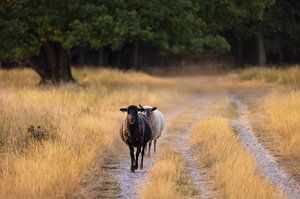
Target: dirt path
{"points": [[265, 161], [130, 182], [114, 180], [198, 176]]}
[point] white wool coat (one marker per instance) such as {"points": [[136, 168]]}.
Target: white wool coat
{"points": [[158, 123]]}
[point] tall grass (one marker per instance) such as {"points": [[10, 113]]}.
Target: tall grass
{"points": [[233, 168], [49, 136], [282, 111], [168, 178], [277, 122], [285, 76]]}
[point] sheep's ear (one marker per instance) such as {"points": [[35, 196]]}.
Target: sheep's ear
{"points": [[141, 109], [153, 109], [123, 109], [141, 106]]}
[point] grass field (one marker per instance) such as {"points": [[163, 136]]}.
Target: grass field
{"points": [[50, 136], [276, 118]]}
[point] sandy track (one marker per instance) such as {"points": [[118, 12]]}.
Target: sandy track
{"points": [[199, 177], [114, 180], [130, 182], [266, 162]]}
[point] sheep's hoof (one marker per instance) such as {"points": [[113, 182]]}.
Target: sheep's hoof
{"points": [[132, 169]]}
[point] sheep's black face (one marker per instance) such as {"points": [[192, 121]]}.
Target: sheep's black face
{"points": [[132, 113]]}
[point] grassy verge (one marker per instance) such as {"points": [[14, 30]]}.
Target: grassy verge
{"points": [[284, 75], [49, 136], [277, 122], [233, 168], [168, 178]]}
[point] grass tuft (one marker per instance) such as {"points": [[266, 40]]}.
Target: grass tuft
{"points": [[233, 168], [168, 178]]}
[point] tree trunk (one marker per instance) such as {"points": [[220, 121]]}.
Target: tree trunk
{"points": [[135, 55], [100, 57], [261, 52], [64, 66], [240, 55], [53, 64], [81, 57]]}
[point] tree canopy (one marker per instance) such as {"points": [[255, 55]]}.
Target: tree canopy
{"points": [[45, 33]]}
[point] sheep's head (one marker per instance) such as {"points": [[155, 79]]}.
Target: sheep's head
{"points": [[148, 111], [132, 113]]}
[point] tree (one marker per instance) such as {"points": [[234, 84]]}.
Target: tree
{"points": [[171, 26], [46, 30], [238, 21], [282, 29]]}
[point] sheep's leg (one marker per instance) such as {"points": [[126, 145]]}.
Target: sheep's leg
{"points": [[155, 145], [132, 158], [138, 150], [149, 149], [142, 160]]}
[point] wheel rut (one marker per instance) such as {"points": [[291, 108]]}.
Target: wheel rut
{"points": [[267, 164], [113, 179], [199, 177]]}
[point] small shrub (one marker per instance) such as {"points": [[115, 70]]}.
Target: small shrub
{"points": [[39, 134]]}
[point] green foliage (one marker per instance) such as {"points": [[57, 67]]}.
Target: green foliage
{"points": [[211, 43], [172, 26], [282, 30], [232, 14]]}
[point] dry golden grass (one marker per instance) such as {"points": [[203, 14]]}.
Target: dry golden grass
{"points": [[220, 84], [277, 121], [276, 117], [49, 136], [289, 75], [231, 165], [168, 178], [181, 122], [18, 78], [223, 106], [282, 111]]}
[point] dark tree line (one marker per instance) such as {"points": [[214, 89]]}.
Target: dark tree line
{"points": [[50, 35]]}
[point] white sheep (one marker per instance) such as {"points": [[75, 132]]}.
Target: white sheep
{"points": [[157, 121]]}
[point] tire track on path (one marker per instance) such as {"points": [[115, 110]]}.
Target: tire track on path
{"points": [[266, 162], [199, 177], [113, 178]]}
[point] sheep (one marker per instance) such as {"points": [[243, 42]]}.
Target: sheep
{"points": [[157, 122], [135, 132]]}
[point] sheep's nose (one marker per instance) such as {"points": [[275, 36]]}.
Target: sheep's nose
{"points": [[131, 119]]}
